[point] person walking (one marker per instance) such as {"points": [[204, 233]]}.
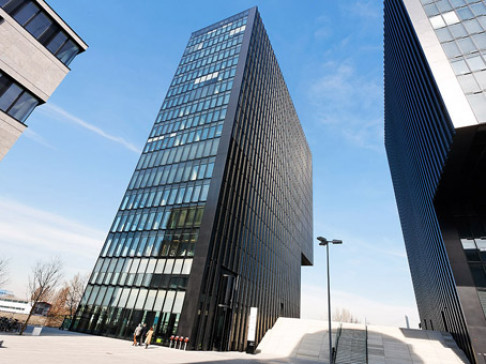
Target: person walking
{"points": [[142, 334], [136, 334], [148, 339]]}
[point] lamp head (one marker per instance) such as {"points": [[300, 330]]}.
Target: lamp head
{"points": [[323, 241]]}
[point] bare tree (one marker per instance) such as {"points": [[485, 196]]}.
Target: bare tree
{"points": [[3, 271], [44, 279], [344, 315], [76, 288]]}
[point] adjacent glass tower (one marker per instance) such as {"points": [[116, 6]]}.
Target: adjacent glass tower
{"points": [[435, 136], [217, 217]]}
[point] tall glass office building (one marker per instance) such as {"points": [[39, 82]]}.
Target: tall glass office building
{"points": [[217, 217], [435, 136]]}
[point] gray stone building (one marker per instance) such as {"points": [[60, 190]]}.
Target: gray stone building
{"points": [[36, 48]]}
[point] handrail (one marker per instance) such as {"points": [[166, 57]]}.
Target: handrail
{"points": [[366, 342], [334, 353]]}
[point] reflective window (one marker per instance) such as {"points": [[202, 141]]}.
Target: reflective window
{"points": [[38, 25], [25, 13]]}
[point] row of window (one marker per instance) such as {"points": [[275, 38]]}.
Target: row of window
{"points": [[171, 173], [171, 243], [162, 218], [168, 195], [220, 86], [200, 105], [221, 56], [465, 46], [190, 77], [475, 8], [217, 31], [42, 27], [143, 265], [179, 154], [135, 298], [210, 88], [214, 40], [215, 51], [15, 100], [176, 139], [222, 61], [184, 121], [154, 280], [142, 280]]}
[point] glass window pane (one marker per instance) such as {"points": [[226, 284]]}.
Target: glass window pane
{"points": [[476, 63], [466, 45], [141, 299], [480, 40], [178, 266], [132, 298], [168, 301], [5, 82], [23, 107], [124, 297], [160, 300], [160, 266], [187, 266], [168, 266], [9, 96], [179, 300], [56, 42], [67, 52], [26, 13], [450, 18], [38, 25], [149, 303]]}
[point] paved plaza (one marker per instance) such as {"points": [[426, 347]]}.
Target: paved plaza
{"points": [[290, 341], [62, 347]]}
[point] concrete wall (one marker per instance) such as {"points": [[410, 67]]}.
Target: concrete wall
{"points": [[10, 130], [27, 61]]}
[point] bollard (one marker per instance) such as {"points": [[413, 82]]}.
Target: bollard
{"points": [[186, 340], [171, 339], [181, 339], [176, 342]]}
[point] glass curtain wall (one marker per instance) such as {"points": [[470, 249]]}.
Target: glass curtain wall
{"points": [[142, 271]]}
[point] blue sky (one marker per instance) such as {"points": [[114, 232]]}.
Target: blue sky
{"points": [[62, 182]]}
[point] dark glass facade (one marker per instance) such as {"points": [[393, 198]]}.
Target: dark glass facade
{"points": [[436, 170], [217, 217]]}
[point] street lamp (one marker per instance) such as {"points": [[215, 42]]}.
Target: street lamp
{"points": [[324, 241]]}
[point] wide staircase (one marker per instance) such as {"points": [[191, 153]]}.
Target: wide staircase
{"points": [[351, 346], [296, 340]]}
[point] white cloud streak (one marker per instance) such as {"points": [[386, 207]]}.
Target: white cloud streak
{"points": [[32, 135], [32, 228], [29, 234], [62, 114]]}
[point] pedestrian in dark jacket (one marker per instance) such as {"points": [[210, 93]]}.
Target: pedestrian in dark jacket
{"points": [[142, 334]]}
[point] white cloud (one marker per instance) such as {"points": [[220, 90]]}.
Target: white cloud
{"points": [[366, 10], [30, 234], [29, 133], [61, 114], [349, 102], [314, 306]]}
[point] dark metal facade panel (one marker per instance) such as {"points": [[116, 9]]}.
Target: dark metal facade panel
{"points": [[418, 138]]}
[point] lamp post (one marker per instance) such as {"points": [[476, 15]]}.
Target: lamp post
{"points": [[324, 241]]}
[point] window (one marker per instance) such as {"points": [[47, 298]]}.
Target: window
{"points": [[26, 12], [38, 25]]}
